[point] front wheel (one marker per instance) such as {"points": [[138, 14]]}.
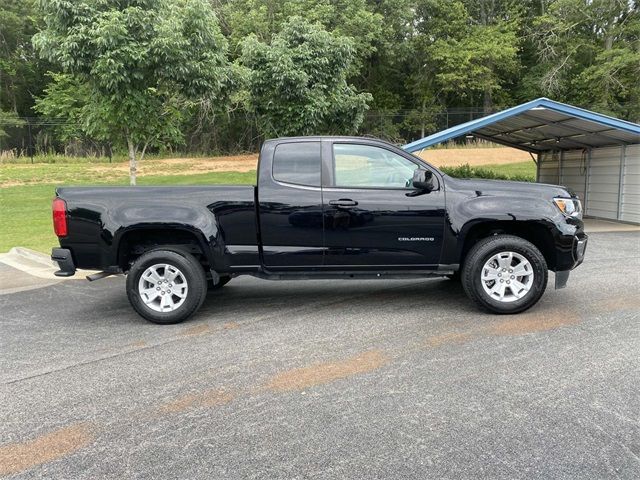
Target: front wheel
{"points": [[504, 274], [166, 286]]}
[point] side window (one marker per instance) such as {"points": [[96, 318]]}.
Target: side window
{"points": [[298, 162], [365, 166]]}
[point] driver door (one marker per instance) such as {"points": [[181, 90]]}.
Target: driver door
{"points": [[369, 220]]}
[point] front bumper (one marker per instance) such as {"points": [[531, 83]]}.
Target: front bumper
{"points": [[579, 248], [62, 256], [577, 252]]}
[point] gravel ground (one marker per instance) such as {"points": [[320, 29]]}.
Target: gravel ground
{"points": [[327, 379]]}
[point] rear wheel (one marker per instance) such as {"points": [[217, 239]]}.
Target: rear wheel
{"points": [[505, 274], [166, 286]]}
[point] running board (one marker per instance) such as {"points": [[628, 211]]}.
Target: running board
{"points": [[266, 275]]}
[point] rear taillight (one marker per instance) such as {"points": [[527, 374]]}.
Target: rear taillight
{"points": [[59, 208]]}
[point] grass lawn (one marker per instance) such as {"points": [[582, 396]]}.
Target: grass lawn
{"points": [[520, 169], [25, 210], [27, 190]]}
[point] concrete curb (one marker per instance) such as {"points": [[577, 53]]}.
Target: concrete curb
{"points": [[36, 264], [29, 261]]}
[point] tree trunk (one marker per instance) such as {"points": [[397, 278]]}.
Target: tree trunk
{"points": [[133, 164], [608, 42], [422, 117], [488, 101]]}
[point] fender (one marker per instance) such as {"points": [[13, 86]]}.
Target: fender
{"points": [[466, 210], [196, 220]]}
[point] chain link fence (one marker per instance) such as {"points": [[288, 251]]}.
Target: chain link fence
{"points": [[26, 138]]}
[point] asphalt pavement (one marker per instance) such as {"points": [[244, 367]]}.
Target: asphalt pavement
{"points": [[326, 379]]}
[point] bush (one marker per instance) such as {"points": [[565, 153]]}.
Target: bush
{"points": [[467, 171]]}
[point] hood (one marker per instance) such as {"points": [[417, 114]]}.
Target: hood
{"points": [[481, 187]]}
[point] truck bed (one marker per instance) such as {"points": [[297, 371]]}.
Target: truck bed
{"points": [[100, 217]]}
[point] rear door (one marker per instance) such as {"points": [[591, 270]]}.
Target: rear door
{"points": [[370, 220], [290, 205]]}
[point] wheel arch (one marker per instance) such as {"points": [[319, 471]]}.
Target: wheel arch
{"points": [[537, 232], [134, 242]]}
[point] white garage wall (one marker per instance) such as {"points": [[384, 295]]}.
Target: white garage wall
{"points": [[603, 182], [573, 170], [630, 199], [606, 190], [549, 168]]}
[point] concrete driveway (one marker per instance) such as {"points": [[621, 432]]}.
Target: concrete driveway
{"points": [[327, 379]]}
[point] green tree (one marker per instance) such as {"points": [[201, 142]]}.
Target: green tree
{"points": [[468, 54], [7, 120], [478, 64], [439, 23], [265, 18], [65, 98], [151, 67], [610, 82], [385, 72], [143, 63], [21, 74], [588, 52], [297, 84]]}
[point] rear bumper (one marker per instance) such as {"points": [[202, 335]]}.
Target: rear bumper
{"points": [[62, 256], [578, 250]]}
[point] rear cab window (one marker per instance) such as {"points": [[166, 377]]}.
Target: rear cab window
{"points": [[298, 163]]}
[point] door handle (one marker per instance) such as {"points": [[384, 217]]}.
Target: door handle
{"points": [[343, 203]]}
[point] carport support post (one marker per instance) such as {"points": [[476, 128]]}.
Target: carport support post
{"points": [[623, 156], [586, 181], [540, 156], [560, 163]]}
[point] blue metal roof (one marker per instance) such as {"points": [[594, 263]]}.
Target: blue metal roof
{"points": [[541, 125]]}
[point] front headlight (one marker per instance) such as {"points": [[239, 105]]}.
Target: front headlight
{"points": [[571, 207]]}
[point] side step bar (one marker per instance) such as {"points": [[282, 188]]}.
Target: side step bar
{"points": [[97, 276]]}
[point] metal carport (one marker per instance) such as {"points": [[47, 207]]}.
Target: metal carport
{"points": [[595, 155]]}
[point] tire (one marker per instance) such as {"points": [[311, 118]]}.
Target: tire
{"points": [[169, 306], [223, 281], [489, 267]]}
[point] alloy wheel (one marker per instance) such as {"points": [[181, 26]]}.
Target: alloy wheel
{"points": [[163, 287], [507, 276]]}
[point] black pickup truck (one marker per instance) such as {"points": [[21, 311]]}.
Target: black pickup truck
{"points": [[323, 207]]}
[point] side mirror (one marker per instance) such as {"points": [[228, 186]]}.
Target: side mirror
{"points": [[423, 180]]}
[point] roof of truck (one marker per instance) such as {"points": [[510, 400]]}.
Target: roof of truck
{"points": [[326, 137]]}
